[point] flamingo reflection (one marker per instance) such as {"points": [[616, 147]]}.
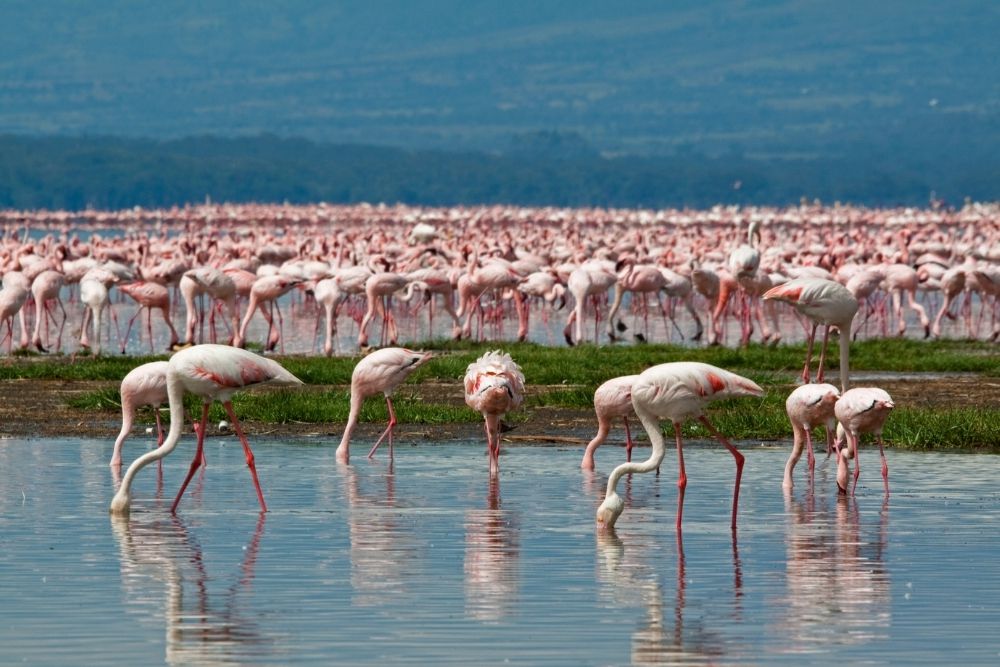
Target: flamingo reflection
{"points": [[384, 555], [203, 626], [628, 575], [837, 581], [492, 577]]}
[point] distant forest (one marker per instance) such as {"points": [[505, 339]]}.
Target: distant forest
{"points": [[541, 169]]}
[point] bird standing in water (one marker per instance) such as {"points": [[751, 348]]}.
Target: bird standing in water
{"points": [[214, 373], [809, 406], [494, 385], [861, 410], [677, 391], [825, 302], [613, 399], [379, 372]]}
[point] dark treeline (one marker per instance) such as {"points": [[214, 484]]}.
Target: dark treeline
{"points": [[112, 173]]}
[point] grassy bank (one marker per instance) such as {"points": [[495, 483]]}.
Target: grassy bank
{"points": [[565, 379]]}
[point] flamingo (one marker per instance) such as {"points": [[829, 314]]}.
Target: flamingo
{"points": [[214, 373], [861, 410], [824, 302], [143, 385], [328, 295], [809, 406], [612, 399], [94, 295], [267, 290], [677, 391], [381, 371], [44, 288], [12, 299], [219, 286], [150, 295], [494, 385]]}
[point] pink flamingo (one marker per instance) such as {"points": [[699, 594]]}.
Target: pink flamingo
{"points": [[861, 410], [592, 279], [952, 285], [642, 280], [494, 385], [94, 287], [44, 288], [328, 295], [381, 371], [12, 299], [219, 286], [267, 290], [677, 391], [809, 406], [824, 302], [143, 385], [901, 278], [150, 295], [214, 373], [379, 288], [613, 399]]}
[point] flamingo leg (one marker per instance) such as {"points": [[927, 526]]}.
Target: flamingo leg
{"points": [[246, 450], [387, 431], [199, 456], [493, 440], [810, 457], [128, 330], [822, 353], [809, 351], [628, 441], [739, 463], [682, 476]]}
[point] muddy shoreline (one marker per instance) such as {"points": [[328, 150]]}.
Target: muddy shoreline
{"points": [[40, 408]]}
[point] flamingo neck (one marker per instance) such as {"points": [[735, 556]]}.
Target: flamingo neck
{"points": [[657, 443], [175, 397]]}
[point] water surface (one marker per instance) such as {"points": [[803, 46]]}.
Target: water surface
{"points": [[427, 562]]}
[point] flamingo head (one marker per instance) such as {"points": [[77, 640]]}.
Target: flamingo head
{"points": [[120, 503], [610, 510]]}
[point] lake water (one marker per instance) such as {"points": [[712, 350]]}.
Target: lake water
{"points": [[301, 325], [427, 562]]}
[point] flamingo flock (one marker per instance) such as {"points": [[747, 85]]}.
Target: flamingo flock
{"points": [[375, 274]]}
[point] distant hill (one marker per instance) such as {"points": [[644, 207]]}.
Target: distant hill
{"points": [[544, 169], [914, 79]]}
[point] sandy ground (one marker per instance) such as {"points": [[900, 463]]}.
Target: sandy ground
{"points": [[39, 408]]}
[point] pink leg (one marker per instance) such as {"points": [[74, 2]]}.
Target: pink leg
{"points": [[822, 353], [811, 458], [628, 441], [493, 440], [682, 479], [198, 457], [387, 431], [809, 351], [246, 450], [739, 463], [128, 329]]}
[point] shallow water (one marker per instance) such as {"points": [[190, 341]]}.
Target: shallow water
{"points": [[301, 326], [426, 562]]}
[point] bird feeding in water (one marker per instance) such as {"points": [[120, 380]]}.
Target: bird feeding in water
{"points": [[677, 391], [214, 373], [379, 372], [494, 385]]}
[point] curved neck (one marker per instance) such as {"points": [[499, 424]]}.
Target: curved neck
{"points": [[657, 443], [175, 397]]}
